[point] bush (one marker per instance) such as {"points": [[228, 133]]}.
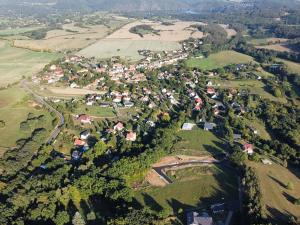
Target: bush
{"points": [[2, 124], [290, 185]]}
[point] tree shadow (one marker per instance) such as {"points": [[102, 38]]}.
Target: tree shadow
{"points": [[278, 181], [152, 203], [288, 197], [179, 209], [277, 217]]}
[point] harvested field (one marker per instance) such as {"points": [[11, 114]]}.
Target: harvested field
{"points": [[267, 41], [59, 40], [61, 91], [126, 44], [276, 47]]}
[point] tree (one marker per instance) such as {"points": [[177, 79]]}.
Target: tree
{"points": [[62, 218], [2, 123], [77, 219], [290, 185]]}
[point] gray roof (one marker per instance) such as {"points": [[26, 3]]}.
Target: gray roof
{"points": [[194, 218], [209, 126]]}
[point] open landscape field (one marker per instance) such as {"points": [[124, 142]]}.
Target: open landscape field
{"points": [[278, 199], [292, 66], [198, 143], [276, 47], [14, 102], [219, 59], [126, 44], [254, 86], [192, 187], [230, 32], [16, 63]]}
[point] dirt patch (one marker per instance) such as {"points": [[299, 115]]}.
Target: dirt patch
{"points": [[153, 179], [230, 32], [72, 91], [2, 103], [34, 104], [180, 159]]}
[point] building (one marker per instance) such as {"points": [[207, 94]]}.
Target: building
{"points": [[131, 136], [84, 118], [119, 126], [84, 135], [188, 126], [248, 148], [79, 143], [209, 126], [194, 218]]}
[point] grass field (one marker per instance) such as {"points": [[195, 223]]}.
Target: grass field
{"points": [[278, 199], [255, 87], [95, 111], [191, 188], [17, 31], [265, 41], [198, 143], [107, 48], [16, 63], [14, 108], [218, 60], [260, 127], [292, 66]]}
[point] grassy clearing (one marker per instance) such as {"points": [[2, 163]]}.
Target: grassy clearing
{"points": [[16, 63], [96, 111], [14, 108], [17, 31], [292, 66], [260, 127], [265, 41], [278, 199], [218, 60], [199, 142], [255, 87], [191, 188], [107, 48]]}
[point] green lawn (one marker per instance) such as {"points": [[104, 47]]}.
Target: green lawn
{"points": [[96, 111], [17, 62], [255, 87], [199, 142], [14, 108], [191, 188], [218, 60], [16, 31], [260, 127], [292, 66], [278, 199]]}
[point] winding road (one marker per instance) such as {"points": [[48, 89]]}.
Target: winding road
{"points": [[41, 100]]}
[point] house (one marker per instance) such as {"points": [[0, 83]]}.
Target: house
{"points": [[74, 85], [237, 137], [209, 126], [84, 118], [104, 105], [84, 135], [248, 148], [188, 126], [194, 218], [210, 90], [128, 104], [119, 126], [79, 143], [131, 136], [266, 162]]}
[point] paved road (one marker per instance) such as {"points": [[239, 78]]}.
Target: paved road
{"points": [[41, 100], [163, 175]]}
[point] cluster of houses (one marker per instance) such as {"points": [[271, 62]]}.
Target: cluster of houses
{"points": [[119, 129]]}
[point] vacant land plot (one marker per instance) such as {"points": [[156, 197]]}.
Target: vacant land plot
{"points": [[14, 108], [16, 62], [218, 60], [95, 111], [191, 188], [126, 44], [260, 127], [278, 199], [17, 31], [292, 66], [66, 91], [198, 143]]}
